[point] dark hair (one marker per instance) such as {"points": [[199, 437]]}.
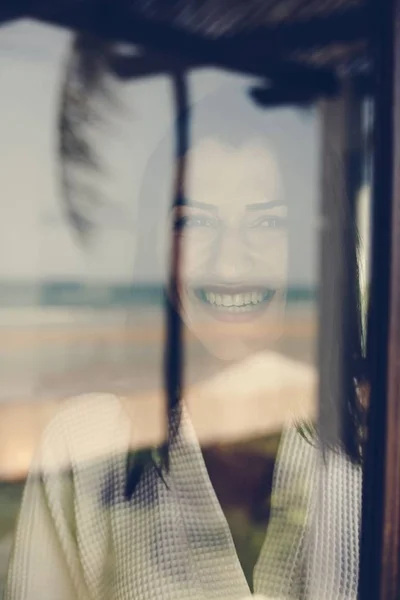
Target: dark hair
{"points": [[88, 75]]}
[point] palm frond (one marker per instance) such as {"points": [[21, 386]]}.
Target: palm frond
{"points": [[87, 96]]}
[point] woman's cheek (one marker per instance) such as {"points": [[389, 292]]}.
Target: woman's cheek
{"points": [[195, 259], [271, 267]]}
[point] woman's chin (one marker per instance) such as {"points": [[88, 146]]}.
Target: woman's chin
{"points": [[228, 351], [234, 335]]}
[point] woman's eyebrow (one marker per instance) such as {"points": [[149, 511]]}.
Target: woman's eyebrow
{"points": [[195, 204], [265, 205]]}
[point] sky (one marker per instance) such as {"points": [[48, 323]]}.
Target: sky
{"points": [[36, 242]]}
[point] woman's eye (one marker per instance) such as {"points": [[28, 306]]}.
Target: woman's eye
{"points": [[269, 223], [190, 222]]}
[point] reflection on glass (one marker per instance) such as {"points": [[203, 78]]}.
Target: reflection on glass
{"points": [[104, 514]]}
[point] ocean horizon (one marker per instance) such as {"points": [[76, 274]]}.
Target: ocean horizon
{"points": [[64, 294]]}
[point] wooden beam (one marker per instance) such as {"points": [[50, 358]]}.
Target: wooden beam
{"points": [[101, 20], [342, 25], [115, 22], [345, 25], [150, 64], [274, 96]]}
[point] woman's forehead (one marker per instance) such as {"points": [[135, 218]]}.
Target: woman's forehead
{"points": [[220, 173]]}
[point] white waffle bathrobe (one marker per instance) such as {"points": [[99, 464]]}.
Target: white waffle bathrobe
{"points": [[78, 538]]}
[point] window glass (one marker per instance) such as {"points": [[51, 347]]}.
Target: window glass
{"points": [[183, 310]]}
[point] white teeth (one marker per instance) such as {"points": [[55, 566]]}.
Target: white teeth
{"points": [[227, 300], [234, 302]]}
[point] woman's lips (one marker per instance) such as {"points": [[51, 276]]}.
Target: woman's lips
{"points": [[228, 303]]}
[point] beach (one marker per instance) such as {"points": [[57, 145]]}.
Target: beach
{"points": [[50, 354]]}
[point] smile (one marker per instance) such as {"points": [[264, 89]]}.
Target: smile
{"points": [[235, 301]]}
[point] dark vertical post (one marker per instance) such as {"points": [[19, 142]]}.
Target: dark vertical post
{"points": [[173, 365], [380, 538], [339, 326]]}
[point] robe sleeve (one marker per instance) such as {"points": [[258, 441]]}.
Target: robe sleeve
{"points": [[280, 570], [44, 562]]}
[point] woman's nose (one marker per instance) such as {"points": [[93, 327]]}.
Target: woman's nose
{"points": [[230, 260]]}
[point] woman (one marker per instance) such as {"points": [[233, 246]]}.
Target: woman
{"points": [[95, 521]]}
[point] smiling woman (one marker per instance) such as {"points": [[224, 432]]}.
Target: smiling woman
{"points": [[234, 244], [246, 224]]}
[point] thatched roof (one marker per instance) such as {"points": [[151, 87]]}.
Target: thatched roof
{"points": [[227, 33]]}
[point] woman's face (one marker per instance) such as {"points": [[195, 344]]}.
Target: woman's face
{"points": [[234, 247]]}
